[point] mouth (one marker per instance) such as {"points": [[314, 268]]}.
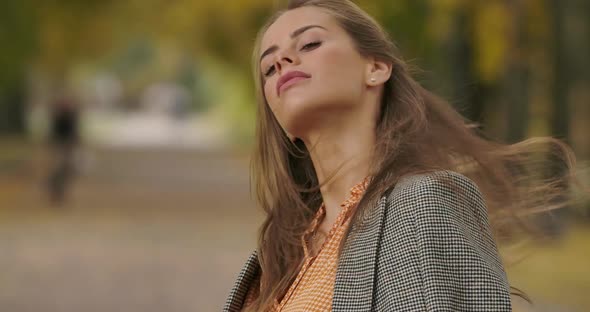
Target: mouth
{"points": [[289, 83], [290, 79]]}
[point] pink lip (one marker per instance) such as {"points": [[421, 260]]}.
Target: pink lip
{"points": [[290, 79]]}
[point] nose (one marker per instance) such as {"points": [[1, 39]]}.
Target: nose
{"points": [[282, 62], [284, 58]]}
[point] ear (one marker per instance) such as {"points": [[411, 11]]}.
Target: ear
{"points": [[377, 72]]}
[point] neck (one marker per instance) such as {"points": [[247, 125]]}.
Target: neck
{"points": [[346, 150]]}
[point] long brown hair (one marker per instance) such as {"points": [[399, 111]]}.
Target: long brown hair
{"points": [[416, 132]]}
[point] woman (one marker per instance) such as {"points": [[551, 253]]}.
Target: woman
{"points": [[378, 195]]}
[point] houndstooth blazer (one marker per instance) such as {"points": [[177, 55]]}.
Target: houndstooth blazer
{"points": [[420, 248]]}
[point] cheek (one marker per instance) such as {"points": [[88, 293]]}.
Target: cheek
{"points": [[269, 94], [341, 69]]}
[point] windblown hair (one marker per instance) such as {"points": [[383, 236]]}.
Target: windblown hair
{"points": [[416, 132]]}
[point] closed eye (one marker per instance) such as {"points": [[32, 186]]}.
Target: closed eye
{"points": [[269, 71], [311, 45], [306, 47]]}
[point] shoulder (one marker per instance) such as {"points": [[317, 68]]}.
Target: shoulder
{"points": [[435, 182], [445, 216], [442, 205], [438, 194]]}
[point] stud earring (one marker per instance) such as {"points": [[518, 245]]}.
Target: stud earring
{"points": [[373, 79]]}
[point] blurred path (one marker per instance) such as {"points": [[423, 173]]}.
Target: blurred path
{"points": [[143, 231]]}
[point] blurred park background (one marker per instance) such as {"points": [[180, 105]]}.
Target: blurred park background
{"points": [[125, 128]]}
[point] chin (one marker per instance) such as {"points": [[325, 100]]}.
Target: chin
{"points": [[293, 104], [299, 116]]}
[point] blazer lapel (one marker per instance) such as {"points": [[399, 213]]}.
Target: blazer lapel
{"points": [[238, 293], [353, 289]]}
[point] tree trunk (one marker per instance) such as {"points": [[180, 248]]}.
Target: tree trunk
{"points": [[12, 108], [516, 81], [466, 90]]}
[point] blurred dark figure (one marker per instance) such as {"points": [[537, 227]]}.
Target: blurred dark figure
{"points": [[64, 138]]}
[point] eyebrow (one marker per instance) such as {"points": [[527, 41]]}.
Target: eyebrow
{"points": [[294, 34]]}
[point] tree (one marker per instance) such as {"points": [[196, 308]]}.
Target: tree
{"points": [[18, 33]]}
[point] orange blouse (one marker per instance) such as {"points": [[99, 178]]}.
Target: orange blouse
{"points": [[313, 287]]}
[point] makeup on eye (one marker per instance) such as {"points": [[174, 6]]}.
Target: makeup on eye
{"points": [[307, 47], [311, 45]]}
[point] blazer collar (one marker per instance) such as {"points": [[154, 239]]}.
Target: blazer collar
{"points": [[356, 268], [238, 294]]}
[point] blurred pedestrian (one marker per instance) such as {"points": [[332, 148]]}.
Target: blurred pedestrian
{"points": [[63, 141]]}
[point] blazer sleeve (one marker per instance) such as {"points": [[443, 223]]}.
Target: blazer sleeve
{"points": [[460, 266]]}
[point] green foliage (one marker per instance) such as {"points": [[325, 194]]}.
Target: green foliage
{"points": [[17, 35], [131, 38]]}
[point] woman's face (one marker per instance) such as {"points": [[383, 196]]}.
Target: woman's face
{"points": [[332, 74]]}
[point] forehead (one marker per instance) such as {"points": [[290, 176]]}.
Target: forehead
{"points": [[294, 19]]}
